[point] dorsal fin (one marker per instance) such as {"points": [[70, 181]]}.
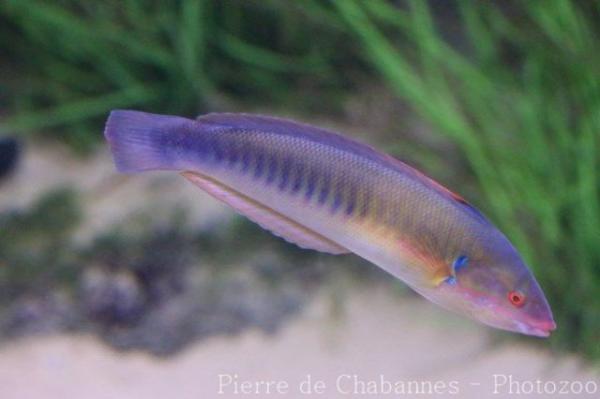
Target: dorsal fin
{"points": [[266, 217], [446, 192]]}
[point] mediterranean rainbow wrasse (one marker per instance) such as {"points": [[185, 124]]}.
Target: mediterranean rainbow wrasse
{"points": [[323, 191]]}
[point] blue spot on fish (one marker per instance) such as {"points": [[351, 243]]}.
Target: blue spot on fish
{"points": [[460, 263], [450, 280]]}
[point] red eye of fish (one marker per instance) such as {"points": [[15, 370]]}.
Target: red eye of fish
{"points": [[516, 298]]}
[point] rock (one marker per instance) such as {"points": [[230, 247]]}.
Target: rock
{"points": [[43, 314], [113, 298]]}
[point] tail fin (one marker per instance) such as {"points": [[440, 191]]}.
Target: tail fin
{"points": [[137, 139]]}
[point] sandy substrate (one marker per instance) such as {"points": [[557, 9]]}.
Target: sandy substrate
{"points": [[380, 342]]}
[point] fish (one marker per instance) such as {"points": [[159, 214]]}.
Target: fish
{"points": [[324, 191]]}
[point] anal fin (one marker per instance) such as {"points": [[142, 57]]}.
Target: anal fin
{"points": [[264, 216]]}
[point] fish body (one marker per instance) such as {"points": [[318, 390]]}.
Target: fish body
{"points": [[323, 191]]}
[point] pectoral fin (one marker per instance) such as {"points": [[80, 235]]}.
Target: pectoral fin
{"points": [[443, 275], [266, 217]]}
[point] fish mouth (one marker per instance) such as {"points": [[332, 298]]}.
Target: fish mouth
{"points": [[536, 328]]}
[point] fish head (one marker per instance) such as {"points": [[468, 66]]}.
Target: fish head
{"points": [[497, 289]]}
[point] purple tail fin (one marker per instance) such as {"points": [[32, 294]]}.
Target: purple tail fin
{"points": [[137, 139]]}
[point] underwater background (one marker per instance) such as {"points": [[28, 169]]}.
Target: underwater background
{"points": [[148, 277]]}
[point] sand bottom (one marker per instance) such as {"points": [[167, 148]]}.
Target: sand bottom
{"points": [[381, 345]]}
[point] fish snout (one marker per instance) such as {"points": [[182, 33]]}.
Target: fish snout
{"points": [[538, 328]]}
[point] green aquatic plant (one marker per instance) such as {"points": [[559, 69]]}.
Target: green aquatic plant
{"points": [[66, 64], [522, 104]]}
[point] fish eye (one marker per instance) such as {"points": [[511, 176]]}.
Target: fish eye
{"points": [[517, 298]]}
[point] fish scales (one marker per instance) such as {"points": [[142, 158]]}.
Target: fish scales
{"points": [[315, 178]]}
